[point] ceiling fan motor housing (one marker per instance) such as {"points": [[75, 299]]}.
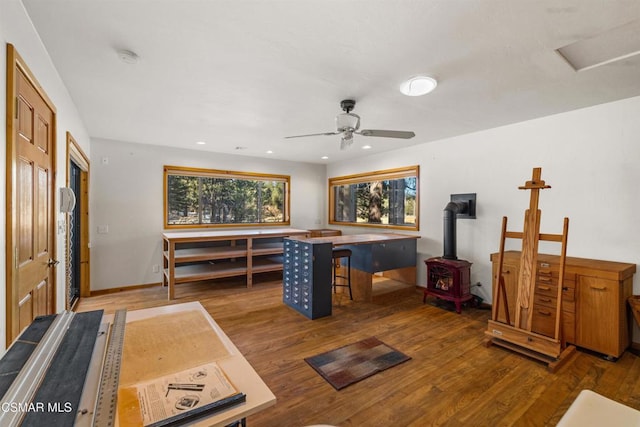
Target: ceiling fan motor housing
{"points": [[347, 122]]}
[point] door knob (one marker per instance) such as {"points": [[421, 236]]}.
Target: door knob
{"points": [[52, 262]]}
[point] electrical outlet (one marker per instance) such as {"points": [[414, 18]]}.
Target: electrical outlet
{"points": [[155, 268], [103, 229]]}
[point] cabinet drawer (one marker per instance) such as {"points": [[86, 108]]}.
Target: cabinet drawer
{"points": [[546, 290], [568, 293], [544, 320], [544, 300]]}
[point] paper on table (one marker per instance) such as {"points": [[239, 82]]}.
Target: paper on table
{"points": [[168, 343], [181, 392]]}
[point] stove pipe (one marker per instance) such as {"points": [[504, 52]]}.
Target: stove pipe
{"points": [[449, 220]]}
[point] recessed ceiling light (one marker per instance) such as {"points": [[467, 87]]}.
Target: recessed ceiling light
{"points": [[128, 57], [366, 147], [239, 147], [418, 85], [269, 152], [200, 142], [324, 157]]}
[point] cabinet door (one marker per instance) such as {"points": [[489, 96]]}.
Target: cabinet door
{"points": [[597, 315], [510, 274]]}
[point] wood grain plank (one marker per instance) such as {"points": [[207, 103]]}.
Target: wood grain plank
{"points": [[451, 380]]}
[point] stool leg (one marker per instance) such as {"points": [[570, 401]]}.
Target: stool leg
{"points": [[349, 277], [333, 285]]}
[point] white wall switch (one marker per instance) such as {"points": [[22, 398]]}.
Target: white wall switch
{"points": [[103, 229]]}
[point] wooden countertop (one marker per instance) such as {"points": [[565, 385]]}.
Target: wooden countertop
{"points": [[587, 267], [356, 239], [238, 234]]}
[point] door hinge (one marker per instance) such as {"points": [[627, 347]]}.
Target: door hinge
{"points": [[15, 256], [16, 108]]}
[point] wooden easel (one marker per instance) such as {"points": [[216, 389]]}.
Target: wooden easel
{"points": [[517, 335]]}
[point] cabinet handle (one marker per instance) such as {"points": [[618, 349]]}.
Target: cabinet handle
{"points": [[598, 288], [545, 299], [544, 288], [506, 272], [544, 279], [544, 313]]}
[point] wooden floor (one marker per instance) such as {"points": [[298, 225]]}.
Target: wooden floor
{"points": [[453, 379]]}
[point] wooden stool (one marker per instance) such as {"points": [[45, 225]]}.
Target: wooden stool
{"points": [[337, 254]]}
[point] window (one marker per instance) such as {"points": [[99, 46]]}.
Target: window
{"points": [[386, 198], [215, 198]]}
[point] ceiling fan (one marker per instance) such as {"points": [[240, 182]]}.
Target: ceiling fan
{"points": [[348, 124]]}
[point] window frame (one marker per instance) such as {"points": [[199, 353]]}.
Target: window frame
{"points": [[381, 175], [217, 173]]}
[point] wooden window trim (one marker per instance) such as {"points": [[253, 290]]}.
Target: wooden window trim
{"points": [[404, 172], [201, 172]]}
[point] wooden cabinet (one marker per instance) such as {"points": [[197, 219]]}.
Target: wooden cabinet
{"points": [[594, 295], [510, 268], [603, 332], [194, 256]]}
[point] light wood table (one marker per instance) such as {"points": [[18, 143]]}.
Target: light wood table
{"points": [[229, 358]]}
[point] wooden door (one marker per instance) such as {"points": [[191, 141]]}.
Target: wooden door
{"points": [[598, 314], [30, 198]]}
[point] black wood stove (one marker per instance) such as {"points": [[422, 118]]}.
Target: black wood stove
{"points": [[448, 277]]}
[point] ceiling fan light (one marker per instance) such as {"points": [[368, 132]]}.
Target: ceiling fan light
{"points": [[418, 85], [346, 140]]}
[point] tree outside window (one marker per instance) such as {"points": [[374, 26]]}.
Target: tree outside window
{"points": [[213, 198], [386, 198]]}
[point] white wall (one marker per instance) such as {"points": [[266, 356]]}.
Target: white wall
{"points": [[16, 28], [126, 195], [590, 157]]}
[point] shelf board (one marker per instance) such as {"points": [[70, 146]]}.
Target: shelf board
{"points": [[267, 248], [262, 265], [208, 253], [192, 273]]}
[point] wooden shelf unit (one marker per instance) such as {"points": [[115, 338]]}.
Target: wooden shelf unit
{"points": [[594, 295], [191, 256]]}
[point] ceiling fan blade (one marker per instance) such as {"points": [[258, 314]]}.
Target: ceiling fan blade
{"points": [[313, 134], [387, 133]]}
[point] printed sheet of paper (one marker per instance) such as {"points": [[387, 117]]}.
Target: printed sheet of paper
{"points": [[181, 392], [168, 343]]}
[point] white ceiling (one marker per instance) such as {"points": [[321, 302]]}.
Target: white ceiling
{"points": [[246, 73]]}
